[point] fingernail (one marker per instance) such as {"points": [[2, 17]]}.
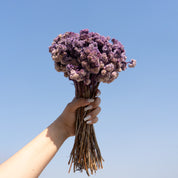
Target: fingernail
{"points": [[87, 117], [88, 108], [98, 94], [91, 100], [89, 122]]}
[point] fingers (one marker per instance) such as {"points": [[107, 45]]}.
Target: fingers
{"points": [[81, 102], [92, 118], [93, 121], [93, 105]]}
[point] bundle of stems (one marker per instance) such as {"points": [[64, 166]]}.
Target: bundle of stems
{"points": [[85, 154]]}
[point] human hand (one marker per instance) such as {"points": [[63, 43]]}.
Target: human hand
{"points": [[68, 117]]}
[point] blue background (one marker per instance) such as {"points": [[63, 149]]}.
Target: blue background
{"points": [[138, 127]]}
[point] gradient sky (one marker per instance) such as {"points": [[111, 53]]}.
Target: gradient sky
{"points": [[138, 126]]}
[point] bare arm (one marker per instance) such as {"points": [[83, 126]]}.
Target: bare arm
{"points": [[30, 161]]}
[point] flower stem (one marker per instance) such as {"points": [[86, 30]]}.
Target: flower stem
{"points": [[85, 154]]}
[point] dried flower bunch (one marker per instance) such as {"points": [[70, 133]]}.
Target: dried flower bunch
{"points": [[81, 55], [87, 58]]}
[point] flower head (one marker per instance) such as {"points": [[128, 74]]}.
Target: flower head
{"points": [[82, 55]]}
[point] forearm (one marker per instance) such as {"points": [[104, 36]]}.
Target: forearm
{"points": [[33, 158]]}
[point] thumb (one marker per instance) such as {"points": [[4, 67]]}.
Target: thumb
{"points": [[79, 102]]}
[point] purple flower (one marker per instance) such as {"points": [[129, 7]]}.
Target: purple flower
{"points": [[85, 54], [59, 67], [109, 67], [132, 63]]}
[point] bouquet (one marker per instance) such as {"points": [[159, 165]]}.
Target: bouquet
{"points": [[87, 58]]}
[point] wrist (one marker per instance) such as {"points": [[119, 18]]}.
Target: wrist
{"points": [[61, 126]]}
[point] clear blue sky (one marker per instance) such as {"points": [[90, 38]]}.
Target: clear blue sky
{"points": [[138, 127]]}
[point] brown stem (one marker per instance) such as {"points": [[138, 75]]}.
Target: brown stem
{"points": [[85, 154]]}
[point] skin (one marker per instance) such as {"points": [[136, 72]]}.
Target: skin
{"points": [[30, 161]]}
